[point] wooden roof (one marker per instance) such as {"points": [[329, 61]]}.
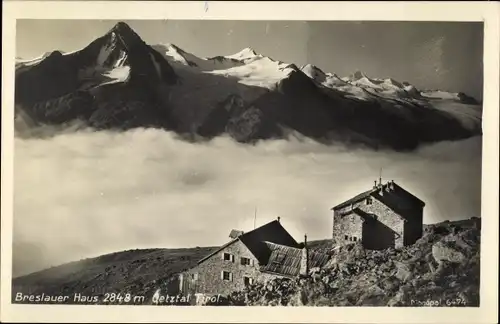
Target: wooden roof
{"points": [[285, 260], [271, 232], [275, 249]]}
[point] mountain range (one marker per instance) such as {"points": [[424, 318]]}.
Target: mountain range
{"points": [[120, 82]]}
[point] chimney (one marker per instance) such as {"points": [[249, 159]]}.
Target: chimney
{"points": [[279, 219], [304, 260], [391, 185], [375, 184]]}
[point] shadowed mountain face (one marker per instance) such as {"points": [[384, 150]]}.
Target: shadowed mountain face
{"points": [[120, 82], [117, 81]]}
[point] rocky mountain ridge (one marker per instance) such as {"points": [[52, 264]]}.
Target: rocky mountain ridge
{"points": [[120, 82]]}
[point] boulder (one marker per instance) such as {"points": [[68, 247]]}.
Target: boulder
{"points": [[358, 251], [333, 285], [445, 252], [403, 271], [390, 284], [397, 300]]}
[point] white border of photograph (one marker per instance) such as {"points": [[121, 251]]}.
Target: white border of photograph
{"points": [[488, 12]]}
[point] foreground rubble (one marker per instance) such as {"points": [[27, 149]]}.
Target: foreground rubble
{"points": [[440, 269]]}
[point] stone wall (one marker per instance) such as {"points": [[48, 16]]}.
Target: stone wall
{"points": [[387, 230], [346, 228], [209, 279], [386, 216]]}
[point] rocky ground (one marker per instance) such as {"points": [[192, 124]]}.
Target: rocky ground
{"points": [[138, 272], [440, 269]]}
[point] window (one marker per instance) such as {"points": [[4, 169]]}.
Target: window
{"points": [[369, 200], [247, 281], [228, 257], [355, 238], [226, 275], [194, 276], [346, 237], [245, 261]]}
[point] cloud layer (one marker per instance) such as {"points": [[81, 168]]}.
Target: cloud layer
{"points": [[86, 193]]}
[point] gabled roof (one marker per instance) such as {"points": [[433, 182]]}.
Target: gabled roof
{"points": [[285, 260], [398, 191], [356, 198], [254, 240], [275, 249], [218, 250], [272, 232]]}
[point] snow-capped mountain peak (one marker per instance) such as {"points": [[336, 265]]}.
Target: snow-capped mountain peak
{"points": [[247, 66], [260, 71], [179, 55], [357, 76], [126, 35], [244, 54], [166, 86], [313, 72]]}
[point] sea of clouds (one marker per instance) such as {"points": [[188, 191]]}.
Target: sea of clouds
{"points": [[82, 193]]}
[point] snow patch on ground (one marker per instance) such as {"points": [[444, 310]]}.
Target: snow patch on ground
{"points": [[118, 74], [121, 59], [440, 95], [244, 54], [174, 54], [263, 72], [31, 62]]}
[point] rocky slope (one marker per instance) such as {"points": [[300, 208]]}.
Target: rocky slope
{"points": [[138, 272], [120, 82], [442, 267]]}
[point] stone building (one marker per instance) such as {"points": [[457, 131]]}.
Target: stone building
{"points": [[385, 216], [264, 253]]}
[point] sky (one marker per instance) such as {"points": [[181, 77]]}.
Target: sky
{"points": [[430, 55]]}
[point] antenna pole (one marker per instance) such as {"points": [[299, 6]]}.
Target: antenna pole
{"points": [[254, 217], [380, 177]]}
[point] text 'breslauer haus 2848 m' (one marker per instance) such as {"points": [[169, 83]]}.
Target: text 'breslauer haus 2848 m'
{"points": [[382, 217]]}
